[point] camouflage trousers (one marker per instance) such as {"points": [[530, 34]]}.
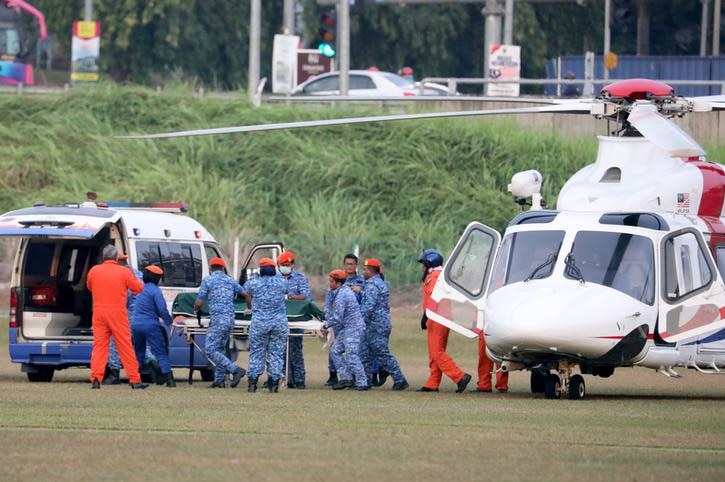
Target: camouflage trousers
{"points": [[215, 345], [296, 359], [345, 353], [375, 345], [267, 342]]}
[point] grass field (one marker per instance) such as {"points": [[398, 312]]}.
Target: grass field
{"points": [[637, 426]]}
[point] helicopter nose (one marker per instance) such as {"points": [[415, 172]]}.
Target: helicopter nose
{"points": [[559, 317]]}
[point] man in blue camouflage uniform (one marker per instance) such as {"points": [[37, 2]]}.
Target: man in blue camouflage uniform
{"points": [[298, 289], [355, 282], [376, 313], [268, 331], [113, 367], [342, 314], [218, 289]]}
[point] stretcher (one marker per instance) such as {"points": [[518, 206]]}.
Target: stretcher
{"points": [[301, 315]]}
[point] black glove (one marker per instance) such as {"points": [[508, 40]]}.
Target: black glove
{"points": [[423, 322]]}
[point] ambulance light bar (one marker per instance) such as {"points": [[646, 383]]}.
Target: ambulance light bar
{"points": [[157, 206]]}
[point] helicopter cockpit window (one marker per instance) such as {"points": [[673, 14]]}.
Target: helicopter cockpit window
{"points": [[621, 261], [524, 256], [686, 268], [469, 264]]}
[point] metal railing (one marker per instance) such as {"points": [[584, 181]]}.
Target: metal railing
{"points": [[451, 82], [588, 84]]}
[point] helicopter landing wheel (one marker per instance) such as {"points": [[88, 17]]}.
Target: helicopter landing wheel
{"points": [[538, 381], [552, 387], [576, 387]]}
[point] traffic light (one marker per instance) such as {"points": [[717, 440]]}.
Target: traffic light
{"points": [[327, 32]]}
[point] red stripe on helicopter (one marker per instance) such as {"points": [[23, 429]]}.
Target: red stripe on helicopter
{"points": [[650, 336], [713, 194]]}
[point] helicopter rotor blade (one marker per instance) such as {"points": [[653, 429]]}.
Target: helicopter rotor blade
{"points": [[662, 132], [568, 108]]}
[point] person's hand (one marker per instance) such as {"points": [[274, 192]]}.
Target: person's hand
{"points": [[197, 305]]}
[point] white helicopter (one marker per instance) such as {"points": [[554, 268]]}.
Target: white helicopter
{"points": [[627, 271]]}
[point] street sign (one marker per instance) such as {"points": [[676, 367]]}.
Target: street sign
{"points": [[504, 63], [610, 60], [310, 63]]}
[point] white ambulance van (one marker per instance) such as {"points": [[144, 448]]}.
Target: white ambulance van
{"points": [[50, 306]]}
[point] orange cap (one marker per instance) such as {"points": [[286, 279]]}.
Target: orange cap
{"points": [[338, 275], [286, 257], [218, 262], [266, 262], [152, 268], [374, 262], [122, 256]]}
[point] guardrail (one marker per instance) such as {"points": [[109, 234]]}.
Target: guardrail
{"points": [[454, 82], [451, 82]]}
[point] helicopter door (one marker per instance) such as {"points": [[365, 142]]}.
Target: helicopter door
{"points": [[692, 294], [458, 298]]}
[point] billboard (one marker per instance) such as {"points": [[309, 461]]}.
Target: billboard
{"points": [[504, 63], [84, 52]]}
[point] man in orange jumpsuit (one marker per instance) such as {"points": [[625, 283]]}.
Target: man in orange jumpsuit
{"points": [[109, 283], [485, 367], [439, 361]]}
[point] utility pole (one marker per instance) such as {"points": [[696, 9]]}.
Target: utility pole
{"points": [[289, 17], [643, 21], [493, 13], [607, 32], [88, 11], [255, 27], [508, 23], [343, 37], [703, 28], [716, 15]]}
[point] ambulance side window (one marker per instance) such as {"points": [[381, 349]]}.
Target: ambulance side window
{"points": [[211, 252], [181, 262]]}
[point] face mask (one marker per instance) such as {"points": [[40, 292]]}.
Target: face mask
{"points": [[285, 269]]}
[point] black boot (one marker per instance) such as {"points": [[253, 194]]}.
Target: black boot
{"points": [[170, 382], [343, 384], [113, 377], [273, 386], [157, 376], [382, 378], [252, 385], [332, 381], [375, 382]]}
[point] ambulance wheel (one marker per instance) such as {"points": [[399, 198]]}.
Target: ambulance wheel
{"points": [[207, 374], [552, 387], [538, 381], [576, 387], [41, 374]]}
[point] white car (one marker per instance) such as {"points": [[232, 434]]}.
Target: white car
{"points": [[363, 83]]}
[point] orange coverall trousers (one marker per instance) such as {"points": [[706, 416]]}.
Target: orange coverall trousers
{"points": [[438, 360], [485, 367], [109, 284]]}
